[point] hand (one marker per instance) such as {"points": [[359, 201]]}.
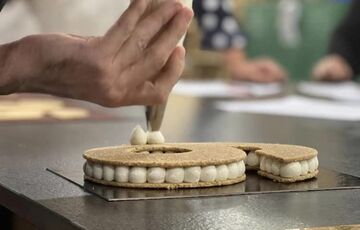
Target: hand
{"points": [[257, 70], [136, 62], [332, 68]]}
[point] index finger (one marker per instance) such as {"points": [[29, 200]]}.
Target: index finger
{"points": [[126, 24]]}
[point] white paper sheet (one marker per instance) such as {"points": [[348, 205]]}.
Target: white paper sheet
{"points": [[296, 106], [222, 89], [343, 91]]}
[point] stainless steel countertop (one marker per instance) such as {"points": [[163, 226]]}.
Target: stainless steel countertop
{"points": [[54, 203]]}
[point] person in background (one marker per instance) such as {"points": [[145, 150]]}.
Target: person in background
{"points": [[221, 32], [136, 62], [343, 59]]}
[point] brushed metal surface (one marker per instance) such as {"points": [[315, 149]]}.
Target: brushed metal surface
{"points": [[254, 184]]}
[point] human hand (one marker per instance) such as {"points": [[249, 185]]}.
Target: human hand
{"points": [[257, 70], [136, 62], [332, 68]]}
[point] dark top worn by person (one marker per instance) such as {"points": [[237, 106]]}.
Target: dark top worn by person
{"points": [[346, 39], [220, 29], [2, 3]]}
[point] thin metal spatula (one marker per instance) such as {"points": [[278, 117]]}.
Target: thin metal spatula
{"points": [[154, 116]]}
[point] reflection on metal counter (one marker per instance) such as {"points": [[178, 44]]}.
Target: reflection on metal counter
{"points": [[326, 180]]}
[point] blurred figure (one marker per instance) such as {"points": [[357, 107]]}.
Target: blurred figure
{"points": [[221, 32], [343, 61]]}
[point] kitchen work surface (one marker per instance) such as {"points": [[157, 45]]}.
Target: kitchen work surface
{"points": [[296, 106], [51, 202], [42, 108], [254, 184], [230, 89], [340, 91]]}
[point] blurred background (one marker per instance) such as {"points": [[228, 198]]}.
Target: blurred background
{"points": [[294, 33], [233, 48]]}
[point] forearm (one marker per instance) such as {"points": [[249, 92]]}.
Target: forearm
{"points": [[20, 63], [8, 80]]}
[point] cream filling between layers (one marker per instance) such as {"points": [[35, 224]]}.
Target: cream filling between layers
{"points": [[158, 175], [288, 170], [252, 159]]}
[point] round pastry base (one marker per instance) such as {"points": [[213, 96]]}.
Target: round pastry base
{"points": [[169, 185]]}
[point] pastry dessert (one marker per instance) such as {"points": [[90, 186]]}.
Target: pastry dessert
{"points": [[282, 163], [167, 166], [150, 163]]}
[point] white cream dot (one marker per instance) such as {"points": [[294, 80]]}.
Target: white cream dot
{"points": [[137, 175], [304, 167], [222, 172], [122, 174], [88, 169], [316, 162], [275, 167], [313, 164], [108, 172], [155, 138], [241, 166], [208, 173], [233, 170], [252, 159], [174, 175], [97, 171], [263, 163], [192, 174], [156, 175], [138, 136], [292, 169], [268, 165]]}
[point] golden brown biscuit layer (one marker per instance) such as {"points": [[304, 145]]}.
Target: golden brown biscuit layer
{"points": [[283, 153], [177, 155]]}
